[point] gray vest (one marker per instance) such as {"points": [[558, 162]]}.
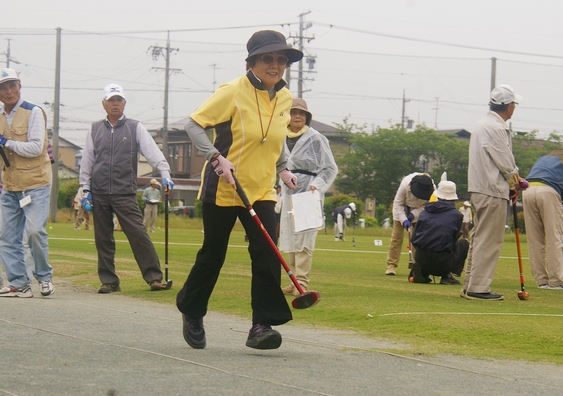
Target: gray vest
{"points": [[114, 170]]}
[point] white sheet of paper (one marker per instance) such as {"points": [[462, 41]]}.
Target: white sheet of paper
{"points": [[307, 211]]}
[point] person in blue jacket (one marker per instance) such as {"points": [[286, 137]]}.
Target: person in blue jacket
{"points": [[439, 249]]}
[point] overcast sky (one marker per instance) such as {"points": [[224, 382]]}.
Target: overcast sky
{"points": [[367, 52]]}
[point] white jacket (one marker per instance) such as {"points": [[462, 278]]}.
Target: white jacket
{"points": [[491, 162], [311, 153]]}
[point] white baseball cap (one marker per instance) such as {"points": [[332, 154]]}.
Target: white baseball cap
{"points": [[504, 94], [113, 90], [8, 75]]}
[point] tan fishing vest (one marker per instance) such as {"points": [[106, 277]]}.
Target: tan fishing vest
{"points": [[24, 173]]}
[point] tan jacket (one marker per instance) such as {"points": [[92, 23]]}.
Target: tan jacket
{"points": [[24, 173]]}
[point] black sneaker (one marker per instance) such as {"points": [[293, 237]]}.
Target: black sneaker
{"points": [[193, 331], [483, 296], [263, 337], [449, 280], [109, 288]]}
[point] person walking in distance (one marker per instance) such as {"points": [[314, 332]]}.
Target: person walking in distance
{"points": [[465, 211], [250, 115], [310, 158], [80, 214], [108, 175], [27, 189], [151, 196], [412, 195], [493, 181]]}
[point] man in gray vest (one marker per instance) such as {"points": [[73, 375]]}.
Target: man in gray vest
{"points": [[108, 175]]}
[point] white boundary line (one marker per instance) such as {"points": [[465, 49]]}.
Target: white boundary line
{"points": [[468, 313]]}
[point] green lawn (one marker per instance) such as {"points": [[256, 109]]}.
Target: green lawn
{"points": [[356, 295]]}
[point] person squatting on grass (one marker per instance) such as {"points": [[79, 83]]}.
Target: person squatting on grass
{"points": [[412, 195], [439, 249], [26, 191], [493, 182], [108, 175], [250, 115], [543, 214], [309, 157], [339, 216]]}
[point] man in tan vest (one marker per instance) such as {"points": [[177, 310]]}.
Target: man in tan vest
{"points": [[27, 188]]}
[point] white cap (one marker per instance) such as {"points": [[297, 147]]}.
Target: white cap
{"points": [[466, 203], [8, 75], [347, 213], [446, 190], [113, 90], [353, 206], [154, 181], [504, 94]]}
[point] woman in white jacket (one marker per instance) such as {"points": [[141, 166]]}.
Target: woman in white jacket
{"points": [[311, 160]]}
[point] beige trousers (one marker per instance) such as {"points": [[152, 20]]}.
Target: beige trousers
{"points": [[151, 211], [396, 244], [300, 264], [489, 219], [543, 214]]}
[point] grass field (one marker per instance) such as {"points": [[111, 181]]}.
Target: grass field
{"points": [[356, 295]]}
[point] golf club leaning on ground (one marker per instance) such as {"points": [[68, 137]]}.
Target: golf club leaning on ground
{"points": [[305, 299], [522, 294], [167, 282], [411, 261]]}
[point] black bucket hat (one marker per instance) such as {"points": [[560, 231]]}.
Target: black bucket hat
{"points": [[422, 187], [265, 41]]}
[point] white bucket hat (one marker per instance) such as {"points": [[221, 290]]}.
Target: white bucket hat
{"points": [[446, 190]]}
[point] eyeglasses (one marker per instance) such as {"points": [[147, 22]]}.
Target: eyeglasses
{"points": [[281, 60]]}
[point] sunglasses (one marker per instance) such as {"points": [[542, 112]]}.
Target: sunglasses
{"points": [[281, 60]]}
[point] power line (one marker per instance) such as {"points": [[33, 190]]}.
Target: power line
{"points": [[428, 41]]}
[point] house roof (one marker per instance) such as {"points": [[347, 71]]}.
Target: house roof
{"points": [[460, 132]]}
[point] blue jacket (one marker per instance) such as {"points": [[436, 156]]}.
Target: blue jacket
{"points": [[549, 170], [437, 228]]}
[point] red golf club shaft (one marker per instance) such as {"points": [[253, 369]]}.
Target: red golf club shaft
{"points": [[517, 232]]}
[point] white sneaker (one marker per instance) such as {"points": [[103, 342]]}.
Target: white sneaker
{"points": [[545, 286], [11, 291], [47, 288], [560, 287]]}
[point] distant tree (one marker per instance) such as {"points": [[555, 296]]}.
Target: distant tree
{"points": [[377, 162], [528, 148]]}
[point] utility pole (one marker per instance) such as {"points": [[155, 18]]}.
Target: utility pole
{"points": [[493, 73], [56, 116], [311, 59], [214, 81], [403, 118], [9, 55], [164, 51]]}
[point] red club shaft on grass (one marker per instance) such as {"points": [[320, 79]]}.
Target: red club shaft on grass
{"points": [[305, 299]]}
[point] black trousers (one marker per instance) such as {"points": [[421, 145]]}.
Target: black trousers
{"points": [[442, 263], [129, 215], [269, 305]]}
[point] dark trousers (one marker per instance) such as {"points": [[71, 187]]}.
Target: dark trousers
{"points": [[269, 305], [127, 211], [442, 263]]}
